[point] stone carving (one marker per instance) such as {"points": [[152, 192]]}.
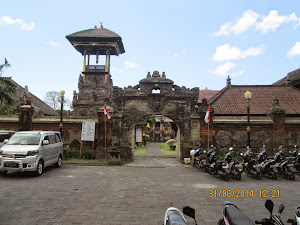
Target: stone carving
{"points": [[224, 139]]}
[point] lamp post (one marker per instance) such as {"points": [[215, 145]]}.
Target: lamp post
{"points": [[62, 93], [248, 96]]}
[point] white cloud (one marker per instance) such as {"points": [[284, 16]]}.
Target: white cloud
{"points": [[273, 21], [226, 52], [242, 24], [261, 22], [130, 65], [295, 50], [224, 70], [6, 20], [52, 43]]}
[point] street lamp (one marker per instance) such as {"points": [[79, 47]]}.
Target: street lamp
{"points": [[248, 98], [62, 93]]}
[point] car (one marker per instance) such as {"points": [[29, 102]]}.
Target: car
{"points": [[31, 151], [5, 134]]}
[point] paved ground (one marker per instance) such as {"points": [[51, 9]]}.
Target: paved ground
{"points": [[138, 193]]}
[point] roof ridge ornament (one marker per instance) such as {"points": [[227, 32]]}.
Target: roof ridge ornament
{"points": [[101, 26]]}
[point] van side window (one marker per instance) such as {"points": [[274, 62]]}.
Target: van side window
{"points": [[57, 138], [52, 139]]}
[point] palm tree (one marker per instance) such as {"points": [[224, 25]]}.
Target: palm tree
{"points": [[6, 89]]}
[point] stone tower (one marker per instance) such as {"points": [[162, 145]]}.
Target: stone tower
{"points": [[95, 84]]}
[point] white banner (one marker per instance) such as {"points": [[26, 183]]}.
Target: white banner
{"points": [[88, 131]]}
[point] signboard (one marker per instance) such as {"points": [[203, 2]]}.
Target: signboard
{"points": [[138, 135], [88, 131]]}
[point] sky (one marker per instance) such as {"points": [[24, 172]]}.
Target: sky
{"points": [[196, 43]]}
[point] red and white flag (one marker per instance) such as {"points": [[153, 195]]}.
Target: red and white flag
{"points": [[207, 115], [106, 112]]}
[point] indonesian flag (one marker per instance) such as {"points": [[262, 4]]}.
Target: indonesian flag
{"points": [[207, 115], [106, 112]]}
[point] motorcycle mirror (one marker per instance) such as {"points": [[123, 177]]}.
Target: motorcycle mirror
{"points": [[242, 153], [281, 208], [204, 151], [269, 205], [189, 211], [231, 148]]}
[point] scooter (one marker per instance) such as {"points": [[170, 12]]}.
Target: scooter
{"points": [[220, 167], [268, 165], [296, 158], [235, 168], [173, 216], [198, 157], [273, 219], [285, 166], [208, 154], [233, 215], [295, 221], [250, 165]]}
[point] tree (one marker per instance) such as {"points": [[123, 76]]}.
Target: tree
{"points": [[53, 99], [7, 89]]}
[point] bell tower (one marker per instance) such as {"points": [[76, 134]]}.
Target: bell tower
{"points": [[95, 84]]}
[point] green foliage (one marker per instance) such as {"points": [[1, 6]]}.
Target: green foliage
{"points": [[165, 149], [76, 154], [171, 142], [140, 150]]}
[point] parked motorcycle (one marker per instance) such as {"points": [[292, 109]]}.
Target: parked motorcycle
{"points": [[233, 215], [285, 165], [273, 219], [296, 158], [206, 160], [173, 216], [199, 158], [250, 165], [295, 221], [268, 165], [235, 168], [218, 167]]}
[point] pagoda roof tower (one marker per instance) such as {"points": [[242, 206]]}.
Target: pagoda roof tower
{"points": [[97, 41]]}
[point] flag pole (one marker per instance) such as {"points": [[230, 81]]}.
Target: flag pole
{"points": [[208, 138], [105, 136]]}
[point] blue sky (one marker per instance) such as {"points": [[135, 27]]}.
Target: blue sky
{"points": [[196, 43]]}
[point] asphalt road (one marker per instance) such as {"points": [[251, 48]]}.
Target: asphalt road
{"points": [[138, 193]]}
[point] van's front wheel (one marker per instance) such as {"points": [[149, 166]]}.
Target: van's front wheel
{"points": [[39, 168], [59, 162]]}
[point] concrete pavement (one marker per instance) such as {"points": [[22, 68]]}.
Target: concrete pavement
{"points": [[138, 193]]}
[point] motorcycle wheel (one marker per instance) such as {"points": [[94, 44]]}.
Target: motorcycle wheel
{"points": [[292, 176], [197, 164], [238, 177], [226, 177], [257, 176], [274, 176]]}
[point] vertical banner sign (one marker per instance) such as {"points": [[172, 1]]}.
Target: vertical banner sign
{"points": [[88, 131], [139, 135]]}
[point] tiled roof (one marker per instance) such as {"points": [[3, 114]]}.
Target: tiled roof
{"points": [[46, 109], [231, 100], [291, 76], [208, 94]]}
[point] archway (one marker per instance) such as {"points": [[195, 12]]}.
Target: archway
{"points": [[158, 129]]}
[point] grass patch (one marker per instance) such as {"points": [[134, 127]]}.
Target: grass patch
{"points": [[140, 150], [166, 150]]}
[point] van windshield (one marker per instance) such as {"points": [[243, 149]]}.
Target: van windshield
{"points": [[24, 139]]}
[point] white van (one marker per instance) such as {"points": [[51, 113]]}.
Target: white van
{"points": [[31, 151]]}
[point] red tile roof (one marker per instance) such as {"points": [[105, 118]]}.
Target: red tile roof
{"points": [[208, 94], [231, 100]]}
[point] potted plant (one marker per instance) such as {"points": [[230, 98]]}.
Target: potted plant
{"points": [[171, 144]]}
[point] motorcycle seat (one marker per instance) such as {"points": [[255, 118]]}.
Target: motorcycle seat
{"points": [[175, 219], [236, 217]]}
